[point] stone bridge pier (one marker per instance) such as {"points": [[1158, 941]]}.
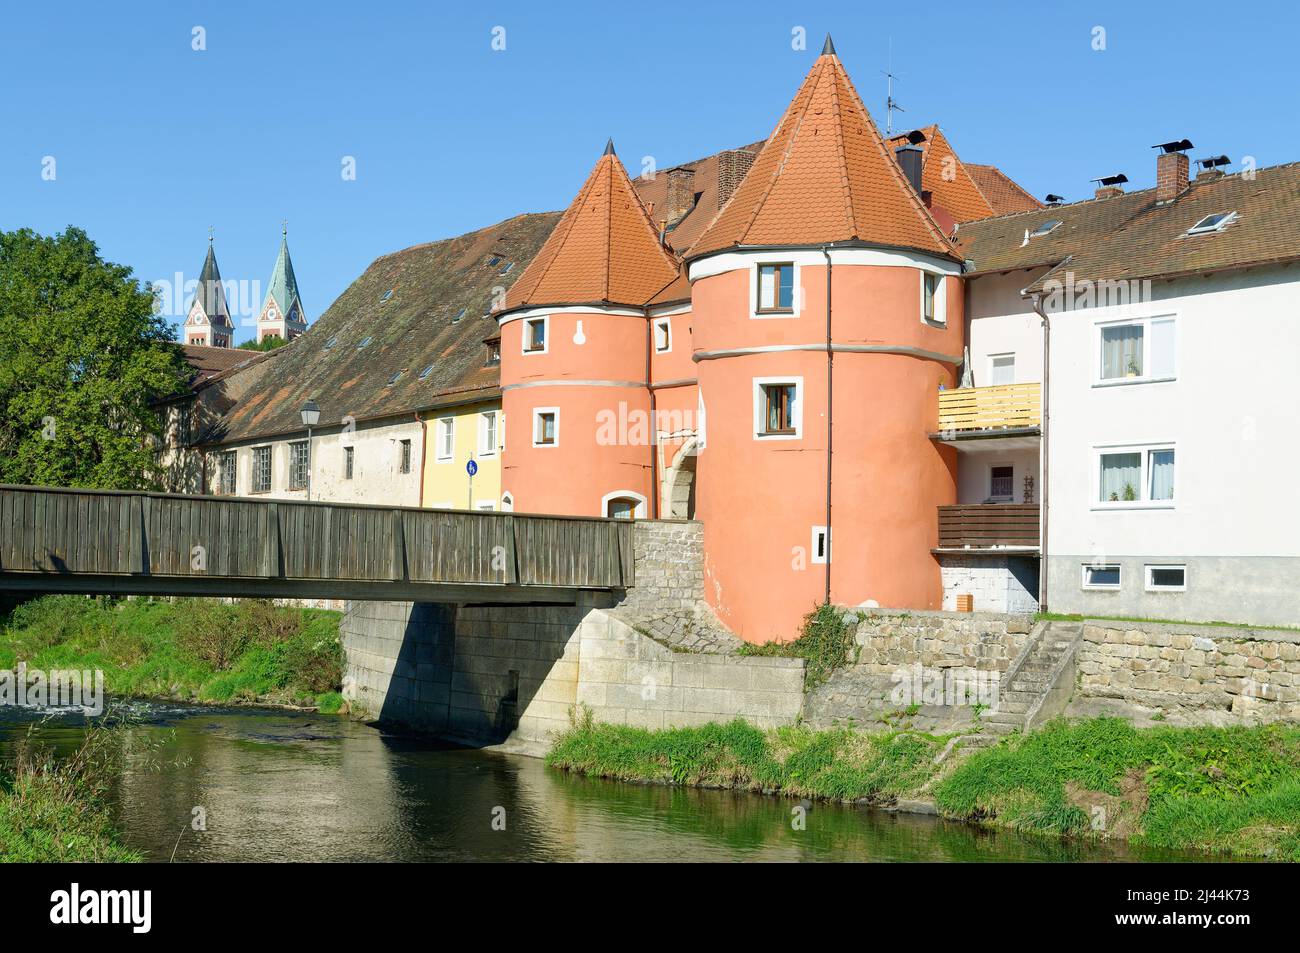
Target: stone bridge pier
{"points": [[653, 656]]}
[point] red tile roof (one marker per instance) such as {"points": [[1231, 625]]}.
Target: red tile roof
{"points": [[211, 361], [945, 177], [824, 175], [604, 249], [1001, 190]]}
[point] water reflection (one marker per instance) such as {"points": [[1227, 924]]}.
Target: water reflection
{"points": [[291, 787]]}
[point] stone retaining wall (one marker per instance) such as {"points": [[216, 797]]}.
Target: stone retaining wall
{"points": [[892, 638], [1211, 670]]}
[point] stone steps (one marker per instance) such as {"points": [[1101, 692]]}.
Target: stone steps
{"points": [[1033, 681]]}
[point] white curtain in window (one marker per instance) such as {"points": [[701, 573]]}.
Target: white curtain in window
{"points": [[767, 288], [1162, 474], [1121, 477], [1121, 351]]}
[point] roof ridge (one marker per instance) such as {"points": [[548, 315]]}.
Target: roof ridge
{"points": [[845, 185]]}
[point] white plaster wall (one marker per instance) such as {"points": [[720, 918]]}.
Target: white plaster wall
{"points": [[973, 474], [376, 466], [1232, 413], [1002, 322]]}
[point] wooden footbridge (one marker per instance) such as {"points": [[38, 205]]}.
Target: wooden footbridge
{"points": [[134, 543]]}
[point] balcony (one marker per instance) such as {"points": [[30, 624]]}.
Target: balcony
{"points": [[988, 526], [1008, 415]]}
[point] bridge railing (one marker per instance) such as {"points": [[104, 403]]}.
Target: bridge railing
{"points": [[109, 532]]}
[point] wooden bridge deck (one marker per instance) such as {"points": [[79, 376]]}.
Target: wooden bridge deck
{"points": [[106, 541]]}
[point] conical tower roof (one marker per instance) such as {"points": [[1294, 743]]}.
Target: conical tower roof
{"points": [[284, 285], [825, 175], [210, 294], [604, 248]]}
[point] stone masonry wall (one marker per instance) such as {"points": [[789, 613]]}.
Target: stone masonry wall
{"points": [[1212, 673]]}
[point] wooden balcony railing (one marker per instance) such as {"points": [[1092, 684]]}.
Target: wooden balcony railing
{"points": [[988, 526], [1005, 407]]}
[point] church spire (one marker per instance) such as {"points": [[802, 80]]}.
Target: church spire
{"points": [[208, 320], [282, 315]]}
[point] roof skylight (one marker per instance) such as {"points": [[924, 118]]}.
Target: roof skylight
{"points": [[364, 342], [506, 269], [494, 260], [1212, 223], [459, 314], [426, 372], [1046, 227], [395, 378], [387, 294], [331, 342]]}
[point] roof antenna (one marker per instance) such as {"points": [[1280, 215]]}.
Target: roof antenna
{"points": [[891, 104]]}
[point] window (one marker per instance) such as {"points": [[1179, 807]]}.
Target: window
{"points": [[1002, 369], [227, 463], [1101, 577], [395, 378], [776, 288], [426, 372], [331, 342], [777, 407], [458, 315], [387, 294], [508, 268], [364, 342], [623, 505], [493, 352], [487, 434], [298, 465], [405, 465], [535, 335], [1046, 227], [446, 439], [1136, 351], [821, 545], [184, 424], [1213, 223], [1166, 578], [348, 463], [663, 336], [1002, 483], [1141, 475], [934, 308], [261, 469], [546, 427]]}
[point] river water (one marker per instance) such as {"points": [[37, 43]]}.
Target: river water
{"points": [[284, 786]]}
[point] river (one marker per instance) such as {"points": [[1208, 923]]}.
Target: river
{"points": [[285, 786]]}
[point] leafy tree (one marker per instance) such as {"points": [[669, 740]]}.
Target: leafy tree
{"points": [[82, 359], [269, 344]]}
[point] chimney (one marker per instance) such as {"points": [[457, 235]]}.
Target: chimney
{"points": [[909, 159], [1110, 185], [1211, 168], [733, 164], [681, 192], [1171, 169]]}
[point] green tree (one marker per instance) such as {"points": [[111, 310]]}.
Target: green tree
{"points": [[82, 359], [269, 344]]}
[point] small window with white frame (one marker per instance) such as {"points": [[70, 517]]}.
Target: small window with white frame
{"points": [[1213, 223], [487, 434], [546, 427], [1135, 476], [535, 334], [775, 288], [663, 330], [445, 451], [934, 299], [1101, 576], [1131, 352], [778, 408], [1166, 578], [1002, 369], [821, 545]]}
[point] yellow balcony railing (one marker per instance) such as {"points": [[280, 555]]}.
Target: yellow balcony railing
{"points": [[1004, 407]]}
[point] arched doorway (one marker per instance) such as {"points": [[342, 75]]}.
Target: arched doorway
{"points": [[678, 500]]}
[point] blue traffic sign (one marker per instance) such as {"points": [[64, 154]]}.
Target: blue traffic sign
{"points": [[471, 467]]}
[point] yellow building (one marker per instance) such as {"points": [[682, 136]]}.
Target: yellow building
{"points": [[455, 435]]}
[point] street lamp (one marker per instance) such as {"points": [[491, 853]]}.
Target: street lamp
{"points": [[310, 418]]}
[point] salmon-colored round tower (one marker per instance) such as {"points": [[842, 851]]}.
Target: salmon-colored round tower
{"points": [[575, 357], [824, 197]]}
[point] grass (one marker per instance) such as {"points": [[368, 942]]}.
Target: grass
{"points": [[194, 649], [53, 810], [836, 764], [825, 643], [1228, 790], [1231, 790], [1075, 617]]}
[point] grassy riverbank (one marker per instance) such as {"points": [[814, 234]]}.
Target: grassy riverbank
{"points": [[52, 810], [190, 649], [1231, 790]]}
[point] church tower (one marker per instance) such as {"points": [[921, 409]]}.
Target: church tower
{"points": [[208, 321], [282, 315]]}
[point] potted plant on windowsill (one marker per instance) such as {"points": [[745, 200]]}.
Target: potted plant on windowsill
{"points": [[1133, 370]]}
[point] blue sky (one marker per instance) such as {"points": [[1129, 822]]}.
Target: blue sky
{"points": [[154, 141]]}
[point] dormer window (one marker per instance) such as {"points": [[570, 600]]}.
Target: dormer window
{"points": [[1213, 223], [493, 352], [1046, 227]]}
